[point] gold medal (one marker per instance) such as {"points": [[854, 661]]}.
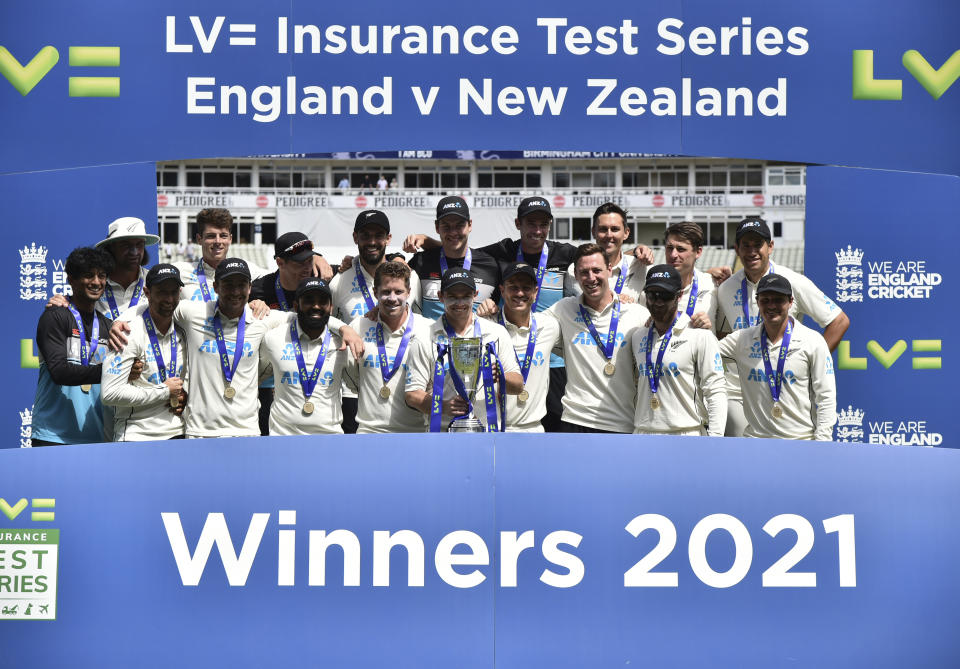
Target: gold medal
{"points": [[655, 403], [86, 387], [229, 392], [609, 369], [385, 392], [523, 396], [777, 411], [174, 402], [308, 408]]}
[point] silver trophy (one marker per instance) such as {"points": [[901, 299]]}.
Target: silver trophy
{"points": [[465, 359]]}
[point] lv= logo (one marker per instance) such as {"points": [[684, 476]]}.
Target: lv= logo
{"points": [[16, 509], [24, 78], [934, 81]]}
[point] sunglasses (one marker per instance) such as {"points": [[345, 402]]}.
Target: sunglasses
{"points": [[658, 296]]}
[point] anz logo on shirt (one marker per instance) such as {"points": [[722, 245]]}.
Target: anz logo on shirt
{"points": [[761, 376], [647, 370], [114, 367], [293, 379], [537, 361], [717, 363], [586, 339], [552, 280], [755, 351], [829, 364], [197, 295], [739, 324], [210, 346], [371, 334], [359, 309], [374, 360], [738, 298]]}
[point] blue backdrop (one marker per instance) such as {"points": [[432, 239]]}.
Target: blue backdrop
{"points": [[120, 598], [121, 601]]}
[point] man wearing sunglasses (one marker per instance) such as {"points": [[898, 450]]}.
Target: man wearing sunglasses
{"points": [[681, 388]]}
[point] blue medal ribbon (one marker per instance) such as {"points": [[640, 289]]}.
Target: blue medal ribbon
{"points": [[228, 369], [308, 381], [775, 382], [609, 345], [531, 344], [112, 302], [655, 372], [202, 281], [623, 275], [694, 291], [489, 394], [365, 292], [746, 302], [171, 370], [85, 357], [401, 350], [541, 267], [467, 261], [436, 405], [281, 296]]}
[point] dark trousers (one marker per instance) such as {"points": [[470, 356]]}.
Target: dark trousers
{"points": [[573, 427], [558, 385], [266, 401], [349, 423]]}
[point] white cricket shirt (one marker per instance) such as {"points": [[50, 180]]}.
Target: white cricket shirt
{"points": [[592, 398], [525, 416], [425, 356], [807, 300], [286, 413], [808, 395], [143, 406], [391, 414], [691, 390]]}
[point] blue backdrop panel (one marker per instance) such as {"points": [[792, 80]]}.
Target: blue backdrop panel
{"points": [[893, 617], [121, 601], [821, 123], [48, 214], [882, 245]]}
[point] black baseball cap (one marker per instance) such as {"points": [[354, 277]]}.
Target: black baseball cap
{"points": [[162, 272], [457, 276], [453, 204], [774, 283], [371, 217], [518, 268], [756, 225], [231, 266], [312, 283], [529, 205], [293, 246], [665, 277]]}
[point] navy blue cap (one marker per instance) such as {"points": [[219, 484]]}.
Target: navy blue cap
{"points": [[312, 283], [371, 217], [774, 283], [756, 225], [518, 268], [231, 266], [665, 277], [529, 205], [162, 272], [457, 276], [453, 204]]}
